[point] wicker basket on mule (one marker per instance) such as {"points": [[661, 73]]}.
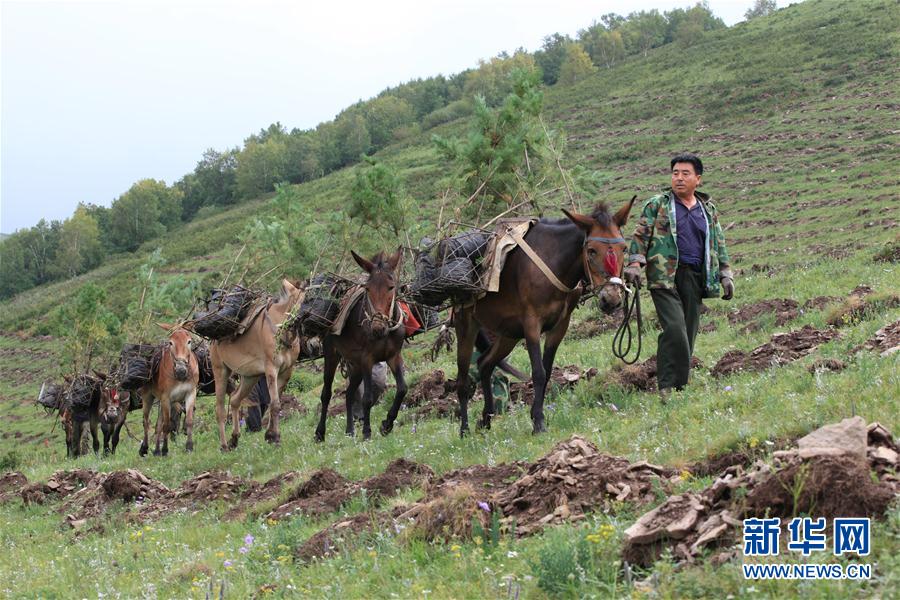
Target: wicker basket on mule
{"points": [[449, 270], [322, 303], [137, 363], [52, 396], [225, 310]]}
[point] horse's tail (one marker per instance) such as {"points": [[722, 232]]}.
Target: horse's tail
{"points": [[483, 343]]}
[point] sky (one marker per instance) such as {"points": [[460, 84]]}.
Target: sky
{"points": [[95, 96]]}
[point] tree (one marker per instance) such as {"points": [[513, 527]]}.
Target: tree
{"points": [[88, 328], [280, 240], [502, 158], [79, 246], [303, 151], [645, 30], [260, 165], [576, 67], [157, 299], [40, 244], [213, 181], [492, 81], [761, 8], [551, 56], [352, 137], [377, 197], [14, 274], [384, 116], [144, 212], [605, 47]]}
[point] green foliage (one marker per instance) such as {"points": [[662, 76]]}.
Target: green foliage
{"points": [[89, 330], [385, 116], [352, 137], [158, 299], [260, 165], [79, 246], [502, 158], [493, 80], [606, 47], [279, 240], [148, 209], [377, 198], [212, 182], [576, 67], [552, 55], [9, 461], [761, 8], [455, 110]]}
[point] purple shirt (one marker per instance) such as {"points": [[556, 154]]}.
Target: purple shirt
{"points": [[691, 233]]}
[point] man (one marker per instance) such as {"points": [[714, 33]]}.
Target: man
{"points": [[680, 242]]}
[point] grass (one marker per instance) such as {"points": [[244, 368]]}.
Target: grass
{"points": [[795, 116]]}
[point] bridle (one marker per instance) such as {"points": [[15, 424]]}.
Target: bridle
{"points": [[632, 305], [371, 315]]}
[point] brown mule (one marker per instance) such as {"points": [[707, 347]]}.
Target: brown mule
{"points": [[175, 382], [263, 350], [528, 304], [374, 332]]}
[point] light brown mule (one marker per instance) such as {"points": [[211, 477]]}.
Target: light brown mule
{"points": [[175, 381], [261, 351]]}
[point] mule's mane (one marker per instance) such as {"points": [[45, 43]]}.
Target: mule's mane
{"points": [[599, 214], [380, 261]]}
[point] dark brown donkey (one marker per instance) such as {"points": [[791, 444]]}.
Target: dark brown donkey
{"points": [[175, 381], [374, 332], [580, 248]]}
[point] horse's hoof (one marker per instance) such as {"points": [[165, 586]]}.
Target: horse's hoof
{"points": [[273, 438], [538, 429], [156, 452], [320, 437], [483, 424], [189, 446], [233, 442], [367, 435], [386, 427], [142, 451], [463, 432], [224, 448]]}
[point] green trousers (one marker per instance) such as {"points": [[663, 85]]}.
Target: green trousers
{"points": [[678, 310]]}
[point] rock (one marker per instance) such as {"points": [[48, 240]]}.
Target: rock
{"points": [[849, 436], [882, 454]]}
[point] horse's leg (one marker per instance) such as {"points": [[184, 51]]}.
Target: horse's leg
{"points": [[106, 430], [538, 375], [116, 430], [246, 386], [162, 425], [331, 364], [352, 385], [466, 330], [396, 365], [552, 341], [222, 375], [175, 414], [189, 419], [77, 432], [273, 435], [368, 401], [146, 404], [95, 421], [499, 350]]}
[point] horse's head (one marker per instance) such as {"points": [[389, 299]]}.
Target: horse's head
{"points": [[604, 252], [381, 295], [111, 407], [291, 294], [179, 346]]}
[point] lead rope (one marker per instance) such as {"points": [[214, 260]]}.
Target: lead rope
{"points": [[624, 334]]}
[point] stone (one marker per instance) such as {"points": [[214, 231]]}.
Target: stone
{"points": [[849, 436]]}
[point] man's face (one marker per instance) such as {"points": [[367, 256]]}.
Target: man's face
{"points": [[684, 179]]}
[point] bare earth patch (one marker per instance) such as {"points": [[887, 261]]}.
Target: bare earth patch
{"points": [[781, 349]]}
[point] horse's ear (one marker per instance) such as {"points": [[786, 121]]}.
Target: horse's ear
{"points": [[287, 286], [165, 326], [621, 217], [394, 260], [583, 221], [366, 265]]}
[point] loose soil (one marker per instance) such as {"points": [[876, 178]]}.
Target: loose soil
{"points": [[11, 483], [641, 377], [886, 340], [784, 310], [782, 349]]}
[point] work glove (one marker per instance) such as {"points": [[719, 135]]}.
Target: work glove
{"points": [[632, 274], [727, 288]]}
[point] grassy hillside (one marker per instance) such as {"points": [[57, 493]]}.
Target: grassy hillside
{"points": [[796, 118]]}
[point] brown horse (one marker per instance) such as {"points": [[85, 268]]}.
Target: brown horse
{"points": [[175, 381], [580, 248], [374, 332], [263, 350]]}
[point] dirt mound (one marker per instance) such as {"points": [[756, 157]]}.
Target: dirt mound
{"points": [[431, 386], [107, 489], [560, 378], [595, 325], [572, 480], [826, 364], [820, 302], [886, 340], [641, 376], [213, 485], [330, 540], [829, 470], [784, 310], [482, 479], [326, 490], [60, 484], [291, 406], [889, 253], [781, 349], [11, 484], [262, 493]]}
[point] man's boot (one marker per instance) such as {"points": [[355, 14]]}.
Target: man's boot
{"points": [[664, 394]]}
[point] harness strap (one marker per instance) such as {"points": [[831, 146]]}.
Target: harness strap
{"points": [[605, 240], [539, 262]]}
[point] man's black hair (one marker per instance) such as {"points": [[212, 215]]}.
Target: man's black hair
{"points": [[687, 157]]}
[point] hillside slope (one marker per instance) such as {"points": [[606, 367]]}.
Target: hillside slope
{"points": [[796, 118]]}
